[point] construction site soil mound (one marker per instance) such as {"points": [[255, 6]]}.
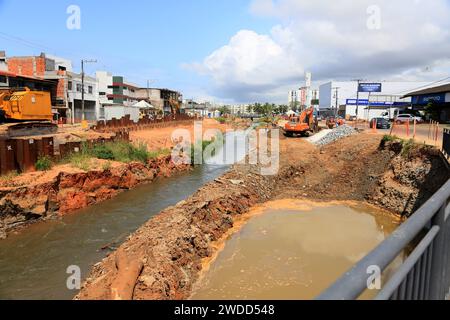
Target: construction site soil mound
{"points": [[163, 259]]}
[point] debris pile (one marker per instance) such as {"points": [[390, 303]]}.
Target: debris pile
{"points": [[336, 134]]}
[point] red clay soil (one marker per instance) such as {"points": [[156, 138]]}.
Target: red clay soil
{"points": [[163, 259], [65, 190]]}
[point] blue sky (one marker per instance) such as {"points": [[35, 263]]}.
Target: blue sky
{"points": [[239, 50], [138, 39]]}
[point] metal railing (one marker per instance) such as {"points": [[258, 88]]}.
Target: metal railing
{"points": [[446, 143], [424, 275]]}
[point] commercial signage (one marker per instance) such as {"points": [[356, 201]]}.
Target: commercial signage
{"points": [[425, 99], [365, 102], [370, 87]]}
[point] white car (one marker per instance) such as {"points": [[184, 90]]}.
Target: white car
{"points": [[403, 118]]}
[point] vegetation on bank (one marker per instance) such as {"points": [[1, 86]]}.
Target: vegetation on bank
{"points": [[125, 152], [200, 147], [405, 147]]}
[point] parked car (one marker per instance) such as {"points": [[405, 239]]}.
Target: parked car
{"points": [[381, 123], [403, 118]]}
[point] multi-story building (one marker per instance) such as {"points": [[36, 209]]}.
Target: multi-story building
{"points": [[294, 98], [161, 99], [192, 108], [67, 99]]}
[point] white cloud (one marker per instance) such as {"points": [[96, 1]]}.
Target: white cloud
{"points": [[331, 38]]}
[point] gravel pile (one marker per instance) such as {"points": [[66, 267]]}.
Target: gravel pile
{"points": [[336, 134]]}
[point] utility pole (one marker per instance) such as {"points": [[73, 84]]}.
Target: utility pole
{"points": [[337, 100], [357, 100], [83, 117]]}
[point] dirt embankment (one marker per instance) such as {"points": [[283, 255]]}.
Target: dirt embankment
{"points": [[163, 259], [64, 190], [415, 173]]}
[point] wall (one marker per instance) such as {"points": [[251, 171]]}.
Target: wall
{"points": [[27, 66], [120, 111]]}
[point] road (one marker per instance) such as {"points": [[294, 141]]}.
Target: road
{"points": [[423, 133]]}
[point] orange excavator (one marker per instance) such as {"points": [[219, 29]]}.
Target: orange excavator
{"points": [[302, 125]]}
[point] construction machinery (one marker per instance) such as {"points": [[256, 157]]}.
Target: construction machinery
{"points": [[175, 106], [333, 122], [26, 112], [301, 125]]}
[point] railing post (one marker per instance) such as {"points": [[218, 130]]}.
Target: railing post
{"points": [[438, 262]]}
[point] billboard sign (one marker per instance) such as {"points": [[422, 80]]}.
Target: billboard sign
{"points": [[370, 87], [425, 99], [365, 102]]}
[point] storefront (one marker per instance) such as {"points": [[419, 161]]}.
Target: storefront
{"points": [[434, 101]]}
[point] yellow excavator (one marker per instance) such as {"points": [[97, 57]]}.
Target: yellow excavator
{"points": [[26, 112], [175, 106]]}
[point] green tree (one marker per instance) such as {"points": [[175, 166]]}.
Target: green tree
{"points": [[224, 110], [431, 111]]}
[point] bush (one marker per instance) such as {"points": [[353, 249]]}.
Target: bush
{"points": [[222, 120], [408, 146], [44, 163], [102, 152], [389, 138]]}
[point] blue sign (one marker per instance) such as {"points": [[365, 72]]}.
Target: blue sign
{"points": [[365, 102], [370, 87], [425, 99]]}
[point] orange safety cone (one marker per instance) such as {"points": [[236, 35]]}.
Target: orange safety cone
{"points": [[374, 126]]}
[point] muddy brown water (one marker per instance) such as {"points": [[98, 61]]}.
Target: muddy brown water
{"points": [[34, 263], [293, 253]]}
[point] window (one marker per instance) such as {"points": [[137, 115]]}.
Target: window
{"points": [[102, 93], [2, 79], [90, 89], [69, 85], [78, 87]]}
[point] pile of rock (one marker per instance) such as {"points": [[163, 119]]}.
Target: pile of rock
{"points": [[336, 134]]}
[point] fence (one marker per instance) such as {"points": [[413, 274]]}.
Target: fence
{"points": [[21, 155], [125, 123], [429, 133], [424, 275]]}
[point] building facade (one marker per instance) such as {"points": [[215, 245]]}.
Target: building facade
{"points": [[340, 97]]}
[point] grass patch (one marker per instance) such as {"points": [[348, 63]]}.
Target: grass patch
{"points": [[389, 138], [9, 176], [408, 146], [200, 146], [222, 120], [125, 152], [79, 160], [44, 163], [107, 166]]}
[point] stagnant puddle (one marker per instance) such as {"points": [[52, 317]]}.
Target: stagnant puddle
{"points": [[293, 249]]}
